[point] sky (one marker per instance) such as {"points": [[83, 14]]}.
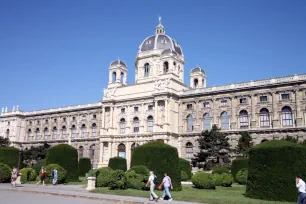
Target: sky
{"points": [[57, 53]]}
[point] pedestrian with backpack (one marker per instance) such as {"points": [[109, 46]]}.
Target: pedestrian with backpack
{"points": [[167, 185], [152, 181]]}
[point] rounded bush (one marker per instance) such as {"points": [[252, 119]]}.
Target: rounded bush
{"points": [[217, 179], [84, 166], [134, 180], [38, 165], [104, 177], [67, 157], [220, 170], [184, 176], [227, 180], [273, 166], [5, 173], [203, 180], [238, 164], [61, 173], [117, 180], [140, 169], [159, 158], [9, 156], [96, 172], [186, 166], [27, 174], [242, 176], [117, 163]]}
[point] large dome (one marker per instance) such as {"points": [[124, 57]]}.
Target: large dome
{"points": [[160, 41]]}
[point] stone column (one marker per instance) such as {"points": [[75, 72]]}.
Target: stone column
{"points": [[275, 120], [118, 75], [156, 116], [101, 154], [196, 125], [128, 154], [111, 117], [233, 114], [298, 112], [125, 78], [110, 77], [180, 120], [142, 119], [214, 107], [253, 113], [110, 149]]}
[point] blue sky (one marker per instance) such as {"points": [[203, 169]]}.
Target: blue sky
{"points": [[57, 53]]}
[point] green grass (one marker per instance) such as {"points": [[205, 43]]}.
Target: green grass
{"points": [[231, 195]]}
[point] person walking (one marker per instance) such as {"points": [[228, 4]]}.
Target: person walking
{"points": [[14, 176], [152, 181], [42, 176], [167, 185], [54, 176], [300, 185]]}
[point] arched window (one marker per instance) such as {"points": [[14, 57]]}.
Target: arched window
{"points": [[30, 134], [37, 133], [189, 123], [166, 67], [46, 132], [122, 125], [134, 145], [244, 119], [121, 77], [94, 129], [150, 124], [64, 131], [264, 118], [189, 150], [207, 122], [146, 69], [7, 133], [81, 152], [224, 121], [136, 124], [195, 82], [54, 132], [114, 76], [287, 117], [83, 130], [73, 131], [121, 151]]}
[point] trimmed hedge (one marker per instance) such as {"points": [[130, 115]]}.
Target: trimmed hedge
{"points": [[27, 174], [134, 180], [117, 163], [238, 164], [84, 166], [5, 173], [140, 169], [61, 173], [118, 180], [184, 176], [203, 180], [96, 172], [185, 165], [220, 170], [159, 158], [67, 157], [273, 167], [104, 177], [9, 156], [242, 176], [38, 165]]}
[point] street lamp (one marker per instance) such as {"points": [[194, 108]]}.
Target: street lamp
{"points": [[20, 151], [92, 159]]}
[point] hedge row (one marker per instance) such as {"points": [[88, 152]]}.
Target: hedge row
{"points": [[84, 166], [238, 164], [27, 174], [117, 163], [9, 156], [185, 166]]}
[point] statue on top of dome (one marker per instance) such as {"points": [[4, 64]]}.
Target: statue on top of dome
{"points": [[159, 19]]}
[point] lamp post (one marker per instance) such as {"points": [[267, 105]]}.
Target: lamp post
{"points": [[20, 151]]}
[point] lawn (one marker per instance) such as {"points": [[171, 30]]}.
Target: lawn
{"points": [[231, 195]]}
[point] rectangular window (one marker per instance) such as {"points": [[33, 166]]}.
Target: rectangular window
{"points": [[263, 99], [64, 119], [30, 122], [73, 118], [206, 104], [243, 101], [122, 127], [285, 96], [122, 110], [55, 120], [135, 109], [223, 102], [150, 125], [189, 106], [94, 116], [150, 107]]}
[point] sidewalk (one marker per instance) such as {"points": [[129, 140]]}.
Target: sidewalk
{"points": [[78, 191]]}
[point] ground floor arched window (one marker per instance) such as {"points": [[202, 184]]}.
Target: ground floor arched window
{"points": [[121, 151], [189, 150]]}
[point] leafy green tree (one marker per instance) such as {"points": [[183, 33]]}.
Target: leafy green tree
{"points": [[214, 149], [35, 153], [244, 144], [4, 142]]}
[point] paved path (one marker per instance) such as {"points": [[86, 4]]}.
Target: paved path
{"points": [[74, 192]]}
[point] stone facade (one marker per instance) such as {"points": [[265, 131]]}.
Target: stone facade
{"points": [[159, 106]]}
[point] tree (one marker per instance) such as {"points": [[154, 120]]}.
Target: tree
{"points": [[214, 149], [35, 153], [4, 142], [244, 144]]}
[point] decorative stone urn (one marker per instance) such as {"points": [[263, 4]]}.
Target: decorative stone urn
{"points": [[91, 185]]}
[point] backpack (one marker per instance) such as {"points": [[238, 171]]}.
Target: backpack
{"points": [[155, 180]]}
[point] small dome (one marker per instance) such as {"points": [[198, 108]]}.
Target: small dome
{"points": [[117, 62], [197, 69]]}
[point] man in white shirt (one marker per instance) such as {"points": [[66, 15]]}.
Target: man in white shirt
{"points": [[300, 184], [153, 196]]}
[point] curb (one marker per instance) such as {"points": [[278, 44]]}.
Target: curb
{"points": [[80, 196]]}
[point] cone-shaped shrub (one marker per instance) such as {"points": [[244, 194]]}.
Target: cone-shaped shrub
{"points": [[238, 164], [84, 166], [117, 163]]}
